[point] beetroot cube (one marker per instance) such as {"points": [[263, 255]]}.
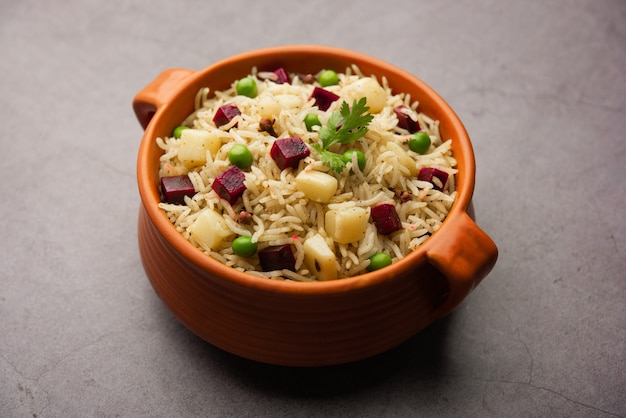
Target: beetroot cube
{"points": [[225, 114], [427, 174], [175, 188], [323, 98], [282, 76], [287, 152], [386, 218], [404, 120], [277, 258], [230, 184]]}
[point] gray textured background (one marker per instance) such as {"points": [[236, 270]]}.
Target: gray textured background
{"points": [[541, 87]]}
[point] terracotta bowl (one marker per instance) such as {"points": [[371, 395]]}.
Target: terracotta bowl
{"points": [[304, 324]]}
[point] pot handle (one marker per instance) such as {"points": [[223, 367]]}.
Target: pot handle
{"points": [[464, 259], [156, 93]]}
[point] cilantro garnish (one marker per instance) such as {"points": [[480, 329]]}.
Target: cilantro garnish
{"points": [[344, 126]]}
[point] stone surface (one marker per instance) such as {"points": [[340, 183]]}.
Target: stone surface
{"points": [[541, 88]]}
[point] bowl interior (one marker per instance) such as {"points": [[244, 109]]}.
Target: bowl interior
{"points": [[302, 59]]}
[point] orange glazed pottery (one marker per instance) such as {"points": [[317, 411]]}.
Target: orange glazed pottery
{"points": [[292, 323]]}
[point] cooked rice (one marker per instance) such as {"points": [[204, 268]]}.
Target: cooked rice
{"points": [[283, 215]]}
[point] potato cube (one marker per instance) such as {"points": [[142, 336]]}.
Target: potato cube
{"points": [[268, 107], [316, 185], [319, 258], [372, 91], [346, 225], [194, 143], [209, 230]]}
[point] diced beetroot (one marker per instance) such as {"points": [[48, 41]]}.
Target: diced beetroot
{"points": [[175, 188], [277, 258], [282, 76], [323, 98], [427, 174], [386, 218], [287, 152], [404, 120], [230, 184], [225, 114]]}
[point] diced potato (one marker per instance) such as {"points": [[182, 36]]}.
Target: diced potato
{"points": [[288, 101], [319, 258], [268, 107], [371, 90], [403, 157], [316, 185], [194, 143], [209, 230], [346, 225]]}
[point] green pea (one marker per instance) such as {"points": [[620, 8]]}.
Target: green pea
{"points": [[328, 78], [246, 87], [360, 158], [420, 142], [178, 131], [243, 246], [311, 120], [378, 261], [240, 156]]}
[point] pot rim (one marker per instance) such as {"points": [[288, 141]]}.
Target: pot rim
{"points": [[148, 187]]}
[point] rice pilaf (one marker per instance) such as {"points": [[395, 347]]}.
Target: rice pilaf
{"points": [[278, 211]]}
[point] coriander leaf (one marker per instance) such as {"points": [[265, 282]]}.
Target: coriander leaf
{"points": [[328, 133], [355, 121], [344, 126], [334, 161], [330, 159]]}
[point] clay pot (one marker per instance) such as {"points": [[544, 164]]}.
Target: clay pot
{"points": [[292, 323]]}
